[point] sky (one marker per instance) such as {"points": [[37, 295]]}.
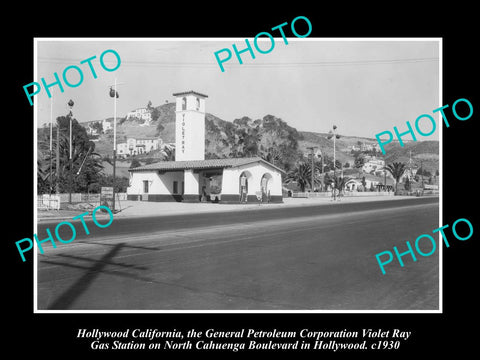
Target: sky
{"points": [[362, 86]]}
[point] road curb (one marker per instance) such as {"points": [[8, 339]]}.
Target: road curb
{"points": [[241, 207]]}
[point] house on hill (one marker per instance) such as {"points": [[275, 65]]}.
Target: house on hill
{"points": [[191, 178], [97, 127], [373, 164], [138, 146], [141, 113]]}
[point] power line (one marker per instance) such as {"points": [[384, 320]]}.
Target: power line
{"points": [[278, 64]]}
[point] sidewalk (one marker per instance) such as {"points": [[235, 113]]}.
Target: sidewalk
{"points": [[131, 209]]}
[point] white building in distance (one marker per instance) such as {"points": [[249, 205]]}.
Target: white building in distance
{"points": [[141, 113], [373, 164], [94, 128], [138, 146]]}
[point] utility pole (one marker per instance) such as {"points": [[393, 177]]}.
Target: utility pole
{"points": [[114, 141], [312, 148], [421, 167], [410, 173], [321, 170], [51, 145], [114, 94], [57, 185], [384, 172]]}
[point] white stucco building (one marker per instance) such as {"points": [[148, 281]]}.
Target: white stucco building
{"points": [[191, 178], [141, 113], [373, 164], [138, 146]]}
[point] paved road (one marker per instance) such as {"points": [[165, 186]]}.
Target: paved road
{"points": [[319, 257]]}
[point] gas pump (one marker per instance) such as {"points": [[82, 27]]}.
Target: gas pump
{"points": [[243, 189]]}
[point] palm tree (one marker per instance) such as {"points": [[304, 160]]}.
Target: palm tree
{"points": [[359, 162], [82, 153], [397, 169], [168, 154], [301, 174], [338, 183]]}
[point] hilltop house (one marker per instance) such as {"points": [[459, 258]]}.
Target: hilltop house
{"points": [[97, 127], [373, 164], [141, 113], [138, 146]]}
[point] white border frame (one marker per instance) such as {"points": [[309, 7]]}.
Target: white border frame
{"points": [[35, 116]]}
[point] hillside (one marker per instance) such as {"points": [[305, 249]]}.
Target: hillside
{"points": [[270, 137], [424, 153]]}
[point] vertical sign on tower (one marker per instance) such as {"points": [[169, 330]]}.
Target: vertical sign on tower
{"points": [[183, 133], [190, 126]]}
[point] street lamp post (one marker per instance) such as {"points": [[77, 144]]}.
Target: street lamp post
{"points": [[70, 115], [335, 136], [57, 150]]}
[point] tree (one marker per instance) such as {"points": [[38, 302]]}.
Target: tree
{"points": [[327, 179], [407, 184], [168, 154], [121, 184], [359, 162], [97, 126], [397, 169], [251, 142], [424, 172], [211, 155], [135, 163], [88, 173], [338, 164], [338, 184], [273, 154], [301, 175], [71, 174], [155, 116]]}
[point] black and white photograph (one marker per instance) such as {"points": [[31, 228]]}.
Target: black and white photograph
{"points": [[258, 185], [182, 179]]}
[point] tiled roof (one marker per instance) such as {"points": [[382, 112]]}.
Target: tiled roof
{"points": [[201, 164], [188, 93]]}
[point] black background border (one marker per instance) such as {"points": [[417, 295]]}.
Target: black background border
{"points": [[55, 334]]}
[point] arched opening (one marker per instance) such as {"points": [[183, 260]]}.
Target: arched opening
{"points": [[243, 179], [184, 103], [265, 186]]}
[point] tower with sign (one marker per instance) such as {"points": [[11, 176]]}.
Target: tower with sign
{"points": [[190, 126]]}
